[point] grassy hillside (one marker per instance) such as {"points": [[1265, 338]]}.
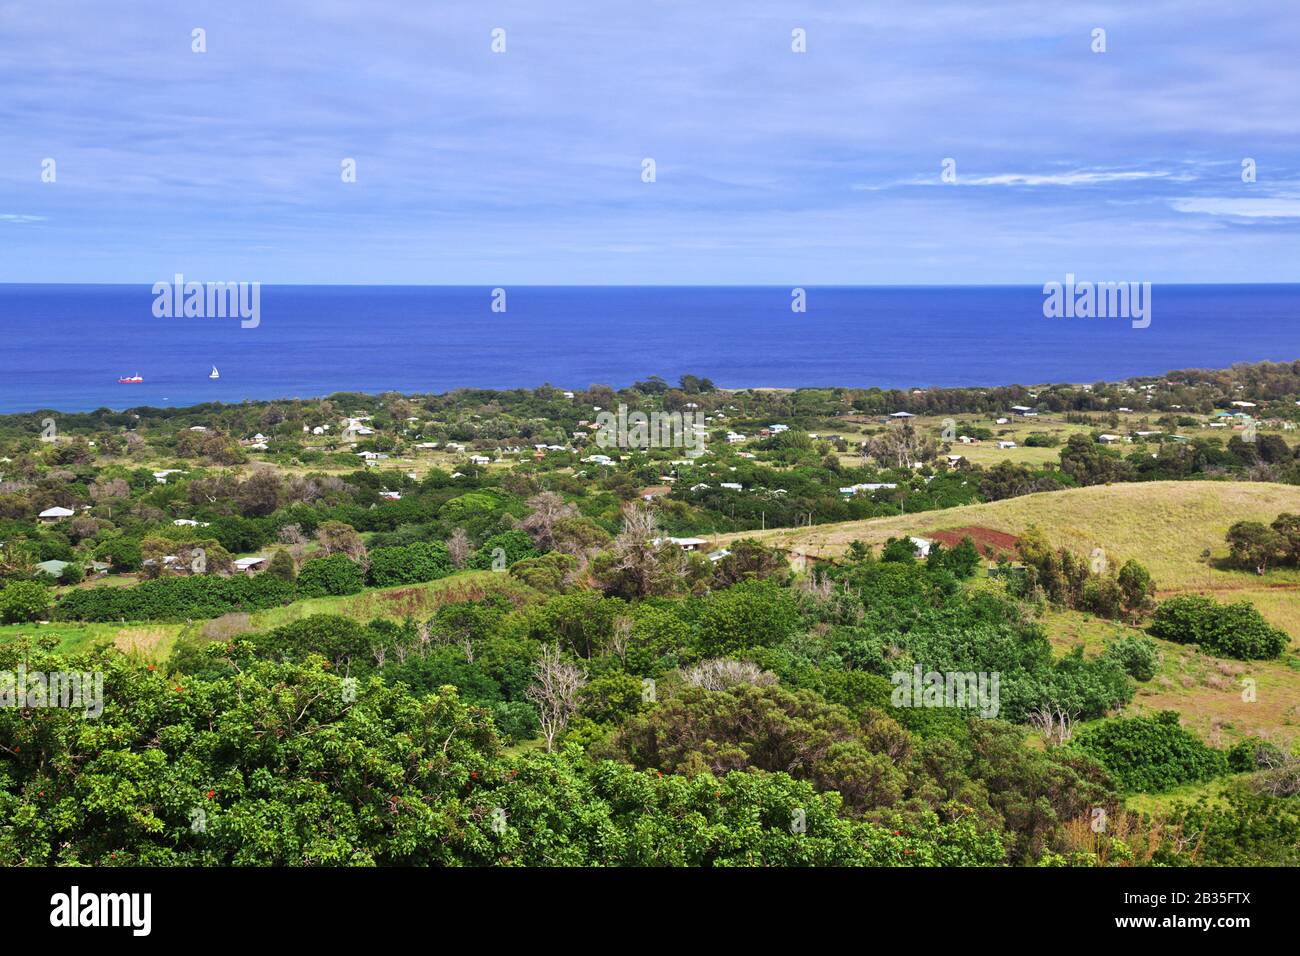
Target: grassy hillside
{"points": [[1166, 525], [155, 640], [1206, 690]]}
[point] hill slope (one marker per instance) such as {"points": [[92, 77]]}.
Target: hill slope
{"points": [[1164, 524]]}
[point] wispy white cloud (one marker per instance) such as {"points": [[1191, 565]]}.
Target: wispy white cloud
{"points": [[1264, 207], [1078, 177], [19, 217]]}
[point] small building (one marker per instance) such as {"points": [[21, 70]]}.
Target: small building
{"points": [[686, 544], [651, 492], [1109, 439], [901, 415], [251, 565], [53, 569], [1006, 444], [922, 546], [51, 515]]}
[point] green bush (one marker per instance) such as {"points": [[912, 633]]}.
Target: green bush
{"points": [[176, 599], [23, 601], [1231, 630], [330, 576], [1150, 754], [513, 546], [413, 564], [1138, 655], [516, 721], [1252, 754]]}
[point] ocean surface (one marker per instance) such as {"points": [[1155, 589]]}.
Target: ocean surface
{"points": [[64, 347]]}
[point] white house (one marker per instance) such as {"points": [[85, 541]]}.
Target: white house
{"points": [[248, 565], [686, 544], [1006, 444], [922, 546], [50, 515], [867, 487]]}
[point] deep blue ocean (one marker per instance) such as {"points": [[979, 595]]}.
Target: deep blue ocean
{"points": [[64, 347]]}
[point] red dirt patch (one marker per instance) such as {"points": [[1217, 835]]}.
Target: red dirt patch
{"points": [[990, 543]]}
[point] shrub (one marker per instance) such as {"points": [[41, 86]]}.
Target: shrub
{"points": [[74, 573], [330, 576], [1150, 754], [1253, 753], [513, 546], [122, 554], [282, 566], [1138, 655], [516, 721], [751, 614], [23, 601], [548, 573], [412, 564], [1232, 630], [176, 599]]}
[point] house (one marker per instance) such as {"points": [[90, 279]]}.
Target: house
{"points": [[717, 556], [391, 495], [189, 523], [51, 515], [1001, 421], [1022, 409], [954, 459], [922, 546], [731, 485], [479, 460], [1006, 444], [652, 492], [967, 440], [1244, 404], [734, 438], [867, 487], [700, 487], [162, 476], [901, 415], [686, 544], [1109, 439], [251, 565], [53, 569]]}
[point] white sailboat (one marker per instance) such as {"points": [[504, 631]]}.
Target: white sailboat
{"points": [[214, 373]]}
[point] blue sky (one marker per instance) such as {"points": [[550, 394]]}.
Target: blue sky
{"points": [[772, 166]]}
